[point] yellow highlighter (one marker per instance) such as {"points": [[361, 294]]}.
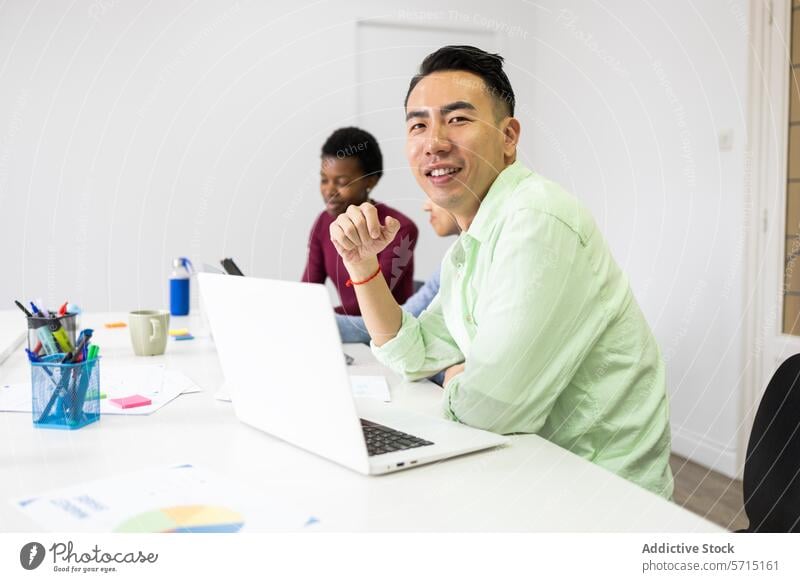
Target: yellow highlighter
{"points": [[60, 335]]}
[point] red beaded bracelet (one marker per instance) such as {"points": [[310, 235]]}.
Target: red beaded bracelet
{"points": [[350, 282]]}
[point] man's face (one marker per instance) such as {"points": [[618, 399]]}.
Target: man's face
{"points": [[455, 144], [441, 220]]}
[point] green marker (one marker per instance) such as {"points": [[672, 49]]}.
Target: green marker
{"points": [[91, 354]]}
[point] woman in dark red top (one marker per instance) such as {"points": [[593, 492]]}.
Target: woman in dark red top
{"points": [[351, 166]]}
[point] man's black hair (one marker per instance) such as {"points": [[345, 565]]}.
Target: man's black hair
{"points": [[487, 66], [353, 142]]}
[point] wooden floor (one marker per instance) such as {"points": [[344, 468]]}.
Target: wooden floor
{"points": [[708, 493]]}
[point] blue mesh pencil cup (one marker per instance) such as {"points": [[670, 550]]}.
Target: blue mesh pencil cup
{"points": [[65, 396]]}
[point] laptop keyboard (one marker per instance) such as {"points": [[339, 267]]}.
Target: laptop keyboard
{"points": [[382, 439]]}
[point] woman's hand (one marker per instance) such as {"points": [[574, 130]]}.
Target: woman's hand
{"points": [[359, 236]]}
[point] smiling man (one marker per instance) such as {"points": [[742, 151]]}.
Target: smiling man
{"points": [[534, 322]]}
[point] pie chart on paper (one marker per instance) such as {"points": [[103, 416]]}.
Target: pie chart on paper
{"points": [[184, 519]]}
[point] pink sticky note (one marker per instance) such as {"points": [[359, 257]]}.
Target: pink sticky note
{"points": [[131, 401]]}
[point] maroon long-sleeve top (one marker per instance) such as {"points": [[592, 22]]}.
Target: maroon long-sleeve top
{"points": [[396, 260]]}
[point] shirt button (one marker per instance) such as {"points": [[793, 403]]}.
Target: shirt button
{"points": [[469, 319]]}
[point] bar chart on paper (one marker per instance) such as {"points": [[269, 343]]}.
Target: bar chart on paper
{"points": [[184, 519]]}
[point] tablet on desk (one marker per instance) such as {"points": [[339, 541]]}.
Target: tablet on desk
{"points": [[231, 268]]}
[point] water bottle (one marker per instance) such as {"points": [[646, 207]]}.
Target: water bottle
{"points": [[179, 286]]}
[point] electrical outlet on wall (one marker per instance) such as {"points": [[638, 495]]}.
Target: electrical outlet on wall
{"points": [[725, 140]]}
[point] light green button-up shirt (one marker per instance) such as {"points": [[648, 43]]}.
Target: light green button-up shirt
{"points": [[552, 338]]}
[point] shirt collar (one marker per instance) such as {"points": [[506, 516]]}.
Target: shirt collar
{"points": [[491, 204]]}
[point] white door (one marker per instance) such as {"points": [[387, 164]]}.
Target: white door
{"points": [[770, 78]]}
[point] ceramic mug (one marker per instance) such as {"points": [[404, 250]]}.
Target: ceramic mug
{"points": [[149, 331]]}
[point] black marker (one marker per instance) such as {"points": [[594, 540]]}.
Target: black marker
{"points": [[22, 307]]}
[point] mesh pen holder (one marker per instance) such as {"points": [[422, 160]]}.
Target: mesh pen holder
{"points": [[50, 333], [65, 396]]}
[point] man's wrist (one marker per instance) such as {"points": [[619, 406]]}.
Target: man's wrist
{"points": [[451, 373], [363, 269]]}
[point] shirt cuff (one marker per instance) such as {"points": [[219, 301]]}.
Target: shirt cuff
{"points": [[396, 352], [450, 390]]}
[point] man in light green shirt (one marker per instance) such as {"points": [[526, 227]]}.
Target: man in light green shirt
{"points": [[534, 322]]}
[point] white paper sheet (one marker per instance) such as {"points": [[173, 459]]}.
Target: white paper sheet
{"points": [[156, 383], [362, 387], [182, 499], [116, 381], [370, 387]]}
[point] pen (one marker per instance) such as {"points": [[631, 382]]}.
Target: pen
{"points": [[37, 311], [81, 375], [83, 339], [34, 357], [60, 389], [84, 373]]}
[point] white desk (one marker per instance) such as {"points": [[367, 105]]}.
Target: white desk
{"points": [[12, 332], [531, 485]]}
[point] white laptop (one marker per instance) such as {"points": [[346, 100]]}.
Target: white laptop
{"points": [[281, 356]]}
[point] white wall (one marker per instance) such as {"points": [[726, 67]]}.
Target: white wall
{"points": [[625, 105], [131, 133]]}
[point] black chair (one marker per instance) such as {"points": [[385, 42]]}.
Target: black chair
{"points": [[771, 484]]}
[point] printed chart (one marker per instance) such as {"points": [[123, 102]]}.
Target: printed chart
{"points": [[185, 519]]}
